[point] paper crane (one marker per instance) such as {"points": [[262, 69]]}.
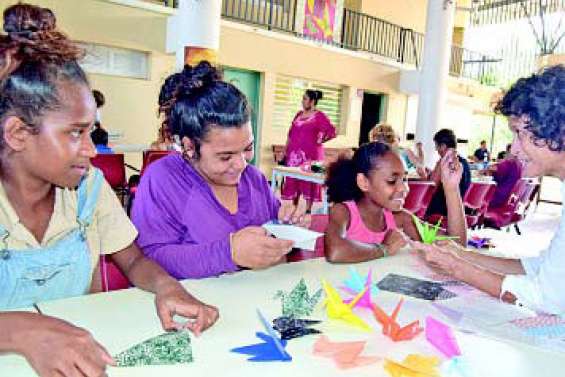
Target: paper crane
{"points": [[428, 232], [298, 302], [391, 328], [290, 327], [367, 286], [337, 309], [441, 337], [271, 349], [356, 283], [345, 354], [414, 366]]}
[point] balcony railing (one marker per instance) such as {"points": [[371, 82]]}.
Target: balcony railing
{"points": [[487, 12], [359, 32], [272, 14]]}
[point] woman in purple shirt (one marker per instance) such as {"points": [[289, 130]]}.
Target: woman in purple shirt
{"points": [[200, 213]]}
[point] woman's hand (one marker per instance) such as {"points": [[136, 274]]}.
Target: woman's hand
{"points": [[56, 348], [289, 213], [252, 247], [394, 241], [173, 300], [441, 256], [451, 170]]}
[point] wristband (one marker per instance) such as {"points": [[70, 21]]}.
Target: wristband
{"points": [[382, 248]]}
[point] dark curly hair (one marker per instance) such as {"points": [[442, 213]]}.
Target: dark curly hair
{"points": [[34, 58], [540, 98], [197, 99], [342, 175]]}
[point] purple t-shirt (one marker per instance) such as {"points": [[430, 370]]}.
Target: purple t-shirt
{"points": [[184, 228], [507, 173]]}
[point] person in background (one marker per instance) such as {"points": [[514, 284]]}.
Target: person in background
{"points": [[384, 133], [100, 102], [446, 142], [366, 220], [100, 140], [57, 213], [200, 213], [506, 174], [482, 154], [310, 129], [535, 108], [502, 154]]}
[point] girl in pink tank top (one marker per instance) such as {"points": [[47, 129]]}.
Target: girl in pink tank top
{"points": [[368, 192]]}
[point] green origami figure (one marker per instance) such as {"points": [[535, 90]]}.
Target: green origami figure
{"points": [[428, 232], [298, 302], [166, 349]]}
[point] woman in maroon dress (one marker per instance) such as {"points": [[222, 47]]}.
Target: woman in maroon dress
{"points": [[309, 130]]}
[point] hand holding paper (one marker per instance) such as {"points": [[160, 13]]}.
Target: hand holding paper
{"points": [[303, 238]]}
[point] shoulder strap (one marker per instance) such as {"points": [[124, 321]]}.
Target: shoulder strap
{"points": [[87, 200]]}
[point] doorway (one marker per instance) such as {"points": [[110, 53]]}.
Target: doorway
{"points": [[372, 113], [248, 82]]}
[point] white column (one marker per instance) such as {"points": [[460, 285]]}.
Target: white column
{"points": [[435, 70], [196, 24]]}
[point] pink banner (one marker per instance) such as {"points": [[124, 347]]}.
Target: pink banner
{"points": [[319, 19]]}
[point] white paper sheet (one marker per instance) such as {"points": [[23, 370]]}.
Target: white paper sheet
{"points": [[303, 238]]}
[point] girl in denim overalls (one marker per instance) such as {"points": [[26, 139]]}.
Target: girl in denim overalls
{"points": [[46, 113]]}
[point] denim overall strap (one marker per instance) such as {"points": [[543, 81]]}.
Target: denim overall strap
{"points": [[87, 200]]}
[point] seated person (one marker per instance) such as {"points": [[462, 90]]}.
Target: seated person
{"points": [[200, 213], [57, 215], [481, 154], [368, 192], [536, 116], [506, 174], [446, 142], [100, 140], [384, 133]]}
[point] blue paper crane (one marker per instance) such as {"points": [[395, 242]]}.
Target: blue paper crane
{"points": [[272, 347]]}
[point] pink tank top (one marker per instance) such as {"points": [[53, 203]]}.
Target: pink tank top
{"points": [[357, 230]]}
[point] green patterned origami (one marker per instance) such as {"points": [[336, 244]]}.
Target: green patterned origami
{"points": [[298, 302], [166, 349], [428, 232]]}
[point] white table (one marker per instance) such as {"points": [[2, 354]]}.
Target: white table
{"points": [[297, 173], [121, 319]]}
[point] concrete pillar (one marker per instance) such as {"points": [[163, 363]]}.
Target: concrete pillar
{"points": [[435, 70], [194, 32]]}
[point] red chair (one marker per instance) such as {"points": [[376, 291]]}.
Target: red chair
{"points": [[515, 208], [111, 276], [319, 224], [114, 170], [419, 196], [150, 156], [476, 200]]}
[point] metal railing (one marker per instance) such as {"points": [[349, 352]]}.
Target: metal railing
{"points": [[271, 14], [473, 65], [360, 32], [488, 12]]}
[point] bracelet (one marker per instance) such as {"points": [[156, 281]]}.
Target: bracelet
{"points": [[382, 249]]}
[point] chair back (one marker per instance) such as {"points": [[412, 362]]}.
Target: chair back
{"points": [[113, 169], [150, 156], [111, 276], [419, 196]]}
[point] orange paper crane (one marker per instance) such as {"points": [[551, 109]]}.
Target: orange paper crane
{"points": [[391, 328]]}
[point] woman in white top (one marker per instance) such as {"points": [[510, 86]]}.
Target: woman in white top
{"points": [[535, 107]]}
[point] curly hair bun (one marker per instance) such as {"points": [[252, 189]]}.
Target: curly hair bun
{"points": [[194, 80], [32, 36]]}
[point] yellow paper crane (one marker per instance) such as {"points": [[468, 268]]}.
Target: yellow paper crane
{"points": [[311, 6], [337, 309], [414, 366]]}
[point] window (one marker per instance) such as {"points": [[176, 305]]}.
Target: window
{"points": [[115, 61], [288, 100]]}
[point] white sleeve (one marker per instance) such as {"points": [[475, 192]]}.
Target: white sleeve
{"points": [[541, 289]]}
